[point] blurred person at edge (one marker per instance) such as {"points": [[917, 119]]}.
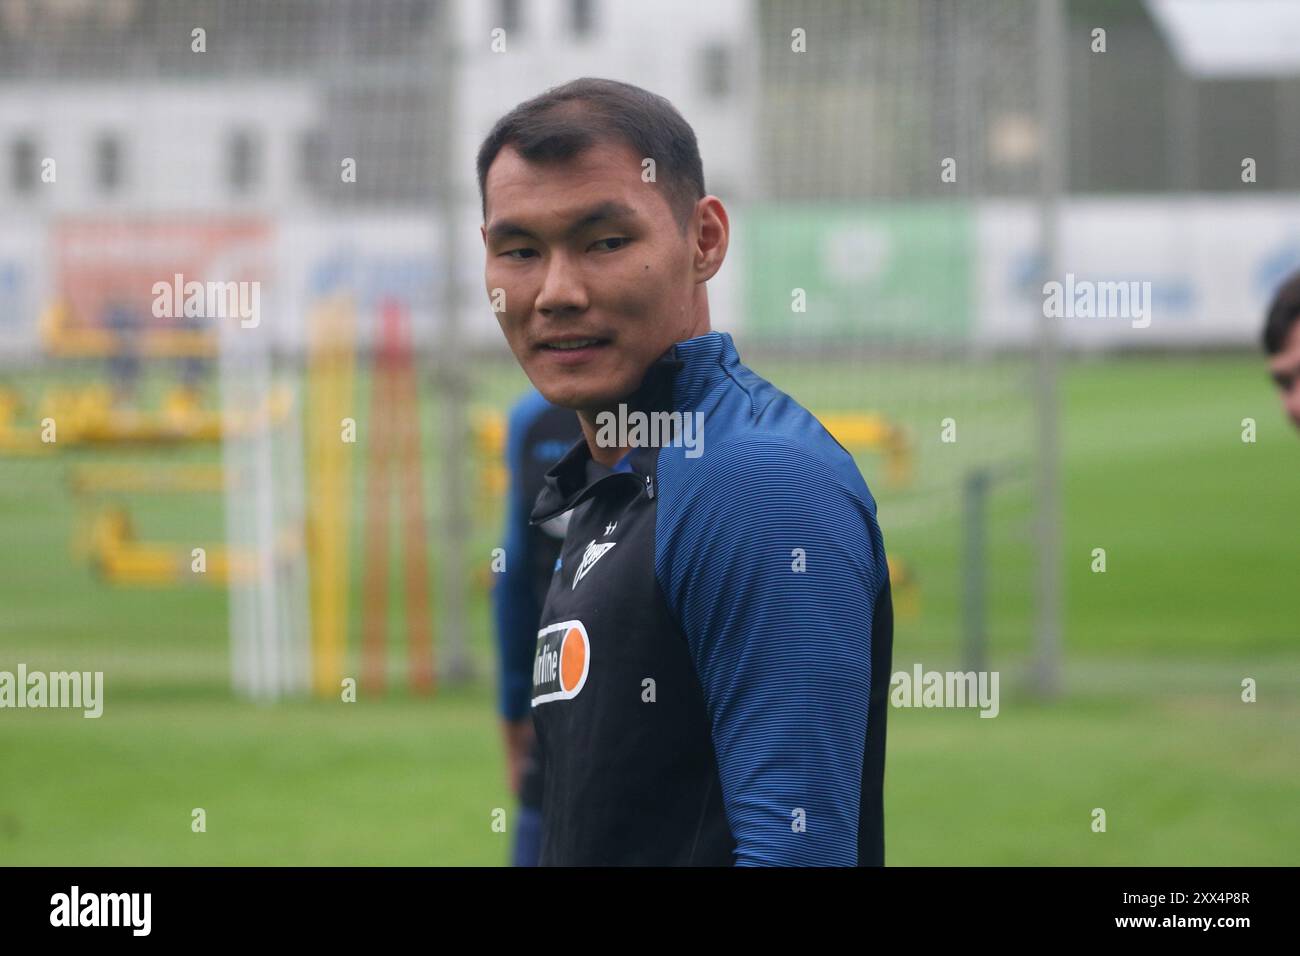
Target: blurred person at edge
{"points": [[1282, 345], [537, 436]]}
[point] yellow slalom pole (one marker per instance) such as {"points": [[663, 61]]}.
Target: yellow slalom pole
{"points": [[329, 476]]}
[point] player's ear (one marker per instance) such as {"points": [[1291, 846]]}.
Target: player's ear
{"points": [[712, 230]]}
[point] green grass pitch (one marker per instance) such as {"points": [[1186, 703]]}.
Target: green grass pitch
{"points": [[1199, 593]]}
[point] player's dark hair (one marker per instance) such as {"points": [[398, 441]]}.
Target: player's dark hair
{"points": [[561, 123], [1282, 314]]}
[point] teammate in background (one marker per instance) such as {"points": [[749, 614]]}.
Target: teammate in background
{"points": [[1282, 343], [711, 676], [538, 435]]}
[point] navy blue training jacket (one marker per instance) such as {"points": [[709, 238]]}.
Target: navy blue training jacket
{"points": [[710, 679]]}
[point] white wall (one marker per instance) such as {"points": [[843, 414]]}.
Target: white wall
{"points": [[173, 139], [1213, 263]]}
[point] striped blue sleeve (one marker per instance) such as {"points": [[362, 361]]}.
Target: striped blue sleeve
{"points": [[771, 563], [515, 608]]}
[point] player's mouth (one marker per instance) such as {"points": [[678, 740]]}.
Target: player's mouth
{"points": [[571, 350]]}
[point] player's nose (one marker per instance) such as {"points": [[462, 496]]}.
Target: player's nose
{"points": [[563, 288]]}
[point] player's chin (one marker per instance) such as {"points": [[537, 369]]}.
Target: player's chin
{"points": [[591, 384]]}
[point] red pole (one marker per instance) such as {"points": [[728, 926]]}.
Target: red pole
{"points": [[406, 393], [374, 624], [395, 414]]}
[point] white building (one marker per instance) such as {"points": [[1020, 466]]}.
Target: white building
{"points": [[271, 144]]}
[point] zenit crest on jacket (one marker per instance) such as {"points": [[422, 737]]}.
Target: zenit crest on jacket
{"points": [[711, 673]]}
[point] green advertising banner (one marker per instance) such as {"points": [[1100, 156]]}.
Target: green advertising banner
{"points": [[896, 271]]}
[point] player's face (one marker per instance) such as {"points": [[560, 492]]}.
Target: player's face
{"points": [[1285, 370], [595, 279]]}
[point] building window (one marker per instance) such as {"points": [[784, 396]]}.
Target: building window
{"points": [[716, 71], [582, 17], [22, 164], [108, 163], [242, 164]]}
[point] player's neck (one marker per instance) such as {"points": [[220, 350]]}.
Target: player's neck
{"points": [[610, 453], [604, 454]]}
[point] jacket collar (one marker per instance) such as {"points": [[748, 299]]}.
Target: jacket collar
{"points": [[676, 381]]}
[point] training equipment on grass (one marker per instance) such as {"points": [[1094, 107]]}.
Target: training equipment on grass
{"points": [[330, 393], [395, 463], [265, 516]]}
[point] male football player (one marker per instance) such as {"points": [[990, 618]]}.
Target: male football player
{"points": [[710, 677]]}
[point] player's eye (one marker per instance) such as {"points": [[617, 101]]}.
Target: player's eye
{"points": [[621, 240], [511, 253]]}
